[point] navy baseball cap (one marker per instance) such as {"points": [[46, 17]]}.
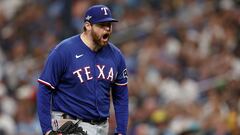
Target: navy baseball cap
{"points": [[98, 13]]}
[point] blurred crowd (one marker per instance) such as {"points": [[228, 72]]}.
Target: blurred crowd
{"points": [[183, 59]]}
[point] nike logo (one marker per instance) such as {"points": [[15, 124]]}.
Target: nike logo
{"points": [[78, 56]]}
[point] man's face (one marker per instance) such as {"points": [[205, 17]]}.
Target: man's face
{"points": [[101, 33]]}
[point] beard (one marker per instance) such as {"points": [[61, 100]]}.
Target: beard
{"points": [[100, 40]]}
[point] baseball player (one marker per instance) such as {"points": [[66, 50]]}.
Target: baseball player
{"points": [[78, 76]]}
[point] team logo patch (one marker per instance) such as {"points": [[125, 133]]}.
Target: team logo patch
{"points": [[125, 74]]}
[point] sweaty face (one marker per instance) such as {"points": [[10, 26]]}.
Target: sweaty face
{"points": [[101, 33]]}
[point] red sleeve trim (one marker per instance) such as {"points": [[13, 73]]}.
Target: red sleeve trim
{"points": [[46, 83]]}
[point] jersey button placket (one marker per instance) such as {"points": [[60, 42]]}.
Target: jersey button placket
{"points": [[95, 84]]}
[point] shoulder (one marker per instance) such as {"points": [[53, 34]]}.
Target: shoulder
{"points": [[116, 53], [67, 43], [114, 49], [64, 48]]}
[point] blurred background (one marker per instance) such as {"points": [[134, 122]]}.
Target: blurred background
{"points": [[183, 59]]}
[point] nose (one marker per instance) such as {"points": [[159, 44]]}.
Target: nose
{"points": [[107, 28]]}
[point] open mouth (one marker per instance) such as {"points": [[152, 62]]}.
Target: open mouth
{"points": [[106, 36]]}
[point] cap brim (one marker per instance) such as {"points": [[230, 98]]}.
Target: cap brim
{"points": [[106, 20]]}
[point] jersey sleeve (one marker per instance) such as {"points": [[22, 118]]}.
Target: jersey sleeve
{"points": [[53, 69], [122, 75], [120, 98], [43, 107]]}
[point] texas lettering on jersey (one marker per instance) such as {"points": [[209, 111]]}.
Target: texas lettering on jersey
{"points": [[106, 74]]}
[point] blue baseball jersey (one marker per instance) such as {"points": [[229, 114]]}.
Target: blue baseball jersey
{"points": [[83, 80]]}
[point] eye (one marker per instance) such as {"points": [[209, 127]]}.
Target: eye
{"points": [[105, 24]]}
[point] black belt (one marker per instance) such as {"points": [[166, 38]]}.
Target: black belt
{"points": [[93, 122]]}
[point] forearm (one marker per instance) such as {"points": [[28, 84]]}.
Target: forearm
{"points": [[120, 101], [121, 113], [43, 108]]}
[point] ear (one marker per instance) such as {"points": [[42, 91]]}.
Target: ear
{"points": [[88, 26]]}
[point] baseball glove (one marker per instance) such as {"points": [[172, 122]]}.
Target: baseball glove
{"points": [[69, 128]]}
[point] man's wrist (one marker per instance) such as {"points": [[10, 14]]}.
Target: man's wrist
{"points": [[51, 132], [47, 133]]}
